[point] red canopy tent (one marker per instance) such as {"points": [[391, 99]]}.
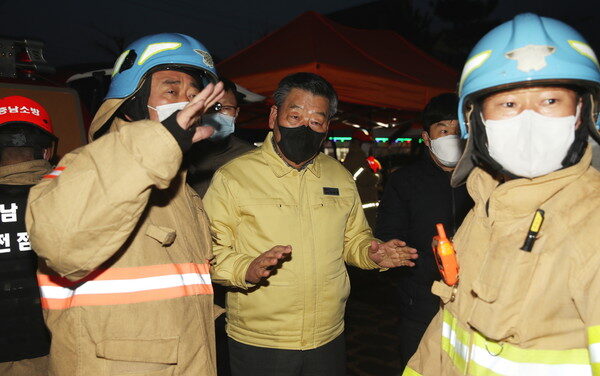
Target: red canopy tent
{"points": [[374, 68]]}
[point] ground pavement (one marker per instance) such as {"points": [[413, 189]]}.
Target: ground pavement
{"points": [[371, 336]]}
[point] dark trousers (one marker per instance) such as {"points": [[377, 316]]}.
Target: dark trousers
{"points": [[327, 360]]}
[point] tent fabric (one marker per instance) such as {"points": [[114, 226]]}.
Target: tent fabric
{"points": [[368, 67]]}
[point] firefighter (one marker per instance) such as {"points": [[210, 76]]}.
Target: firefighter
{"points": [[365, 171], [526, 301], [124, 243], [26, 144]]}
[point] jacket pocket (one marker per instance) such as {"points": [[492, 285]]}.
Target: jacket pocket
{"points": [[332, 297], [271, 310], [501, 291], [156, 357], [266, 215], [329, 220], [164, 235]]}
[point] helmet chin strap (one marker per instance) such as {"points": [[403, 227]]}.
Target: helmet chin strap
{"points": [[580, 143], [593, 117], [481, 156]]}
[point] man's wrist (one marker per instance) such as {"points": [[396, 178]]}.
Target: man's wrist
{"points": [[240, 271], [182, 136]]}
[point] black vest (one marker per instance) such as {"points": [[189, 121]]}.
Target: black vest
{"points": [[23, 334]]}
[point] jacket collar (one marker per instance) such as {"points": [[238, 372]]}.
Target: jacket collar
{"points": [[24, 173], [104, 115], [279, 166], [520, 197]]}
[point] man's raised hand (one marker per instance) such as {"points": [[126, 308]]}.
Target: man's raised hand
{"points": [[192, 112]]}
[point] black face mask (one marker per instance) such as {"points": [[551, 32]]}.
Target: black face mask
{"points": [[300, 144]]}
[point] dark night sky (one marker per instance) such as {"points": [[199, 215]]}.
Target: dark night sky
{"points": [[82, 31], [85, 32]]}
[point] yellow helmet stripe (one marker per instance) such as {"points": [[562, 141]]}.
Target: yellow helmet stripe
{"points": [[472, 64], [155, 48], [585, 50]]}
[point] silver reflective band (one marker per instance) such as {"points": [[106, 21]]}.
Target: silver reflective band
{"points": [[370, 205], [358, 172], [476, 358]]}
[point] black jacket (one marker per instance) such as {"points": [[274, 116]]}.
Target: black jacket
{"points": [[24, 334], [417, 197], [207, 156]]}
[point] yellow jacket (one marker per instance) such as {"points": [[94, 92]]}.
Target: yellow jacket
{"points": [[518, 312], [126, 243], [256, 202]]}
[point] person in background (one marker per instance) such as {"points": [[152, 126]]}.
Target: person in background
{"points": [[123, 242], [415, 198], [27, 143], [285, 219], [359, 161], [526, 302], [205, 157], [203, 160]]}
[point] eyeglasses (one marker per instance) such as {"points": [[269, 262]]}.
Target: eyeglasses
{"points": [[227, 110]]}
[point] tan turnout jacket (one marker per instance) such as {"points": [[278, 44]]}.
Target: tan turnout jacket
{"points": [[126, 287], [518, 312]]}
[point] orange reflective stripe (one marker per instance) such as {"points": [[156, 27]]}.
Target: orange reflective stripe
{"points": [[126, 273], [126, 298], [54, 173], [126, 285]]}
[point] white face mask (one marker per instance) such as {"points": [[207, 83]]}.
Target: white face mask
{"points": [[447, 149], [530, 144], [166, 110]]}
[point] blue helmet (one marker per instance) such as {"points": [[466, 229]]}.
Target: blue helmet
{"points": [[528, 50], [170, 50]]}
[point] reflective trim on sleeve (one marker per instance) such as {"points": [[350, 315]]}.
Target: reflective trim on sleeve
{"points": [[410, 372], [126, 285], [54, 173], [472, 354], [358, 172], [369, 205]]}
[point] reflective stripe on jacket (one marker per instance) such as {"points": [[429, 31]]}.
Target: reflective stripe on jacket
{"points": [[126, 285], [486, 357], [517, 312], [471, 354], [593, 335]]}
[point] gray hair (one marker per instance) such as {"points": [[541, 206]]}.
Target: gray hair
{"points": [[313, 83]]}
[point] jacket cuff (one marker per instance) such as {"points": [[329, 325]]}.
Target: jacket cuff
{"points": [[239, 272], [182, 136]]}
